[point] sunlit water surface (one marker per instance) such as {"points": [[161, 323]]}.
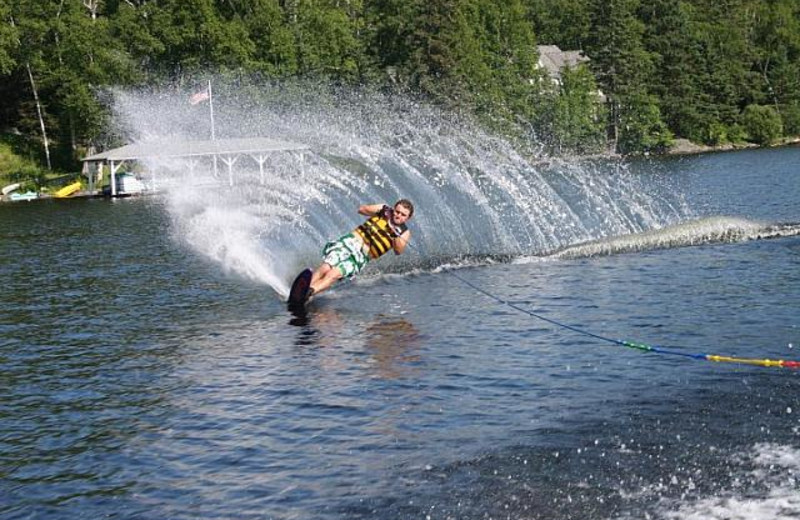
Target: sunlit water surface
{"points": [[146, 376]]}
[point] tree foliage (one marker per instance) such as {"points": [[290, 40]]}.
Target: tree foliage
{"points": [[705, 70], [762, 123], [9, 39], [577, 122]]}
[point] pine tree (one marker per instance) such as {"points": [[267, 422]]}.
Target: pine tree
{"points": [[775, 38], [565, 23], [9, 40], [623, 67], [677, 63], [579, 117], [326, 38]]}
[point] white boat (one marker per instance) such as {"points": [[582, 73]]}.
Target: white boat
{"points": [[28, 195], [11, 187], [127, 184]]}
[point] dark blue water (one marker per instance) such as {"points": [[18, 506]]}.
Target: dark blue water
{"points": [[141, 380]]}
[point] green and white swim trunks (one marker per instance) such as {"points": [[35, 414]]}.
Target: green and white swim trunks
{"points": [[346, 254]]}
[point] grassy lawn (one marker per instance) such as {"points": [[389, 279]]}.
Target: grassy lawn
{"points": [[15, 166]]}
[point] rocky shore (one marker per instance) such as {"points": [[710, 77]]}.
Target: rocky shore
{"points": [[686, 147]]}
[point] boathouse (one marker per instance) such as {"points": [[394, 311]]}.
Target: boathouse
{"points": [[227, 151]]}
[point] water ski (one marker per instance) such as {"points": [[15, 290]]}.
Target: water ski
{"points": [[298, 295]]}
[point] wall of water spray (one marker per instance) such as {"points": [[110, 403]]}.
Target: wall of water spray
{"points": [[477, 197]]}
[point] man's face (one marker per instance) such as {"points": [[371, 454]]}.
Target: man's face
{"points": [[400, 215]]}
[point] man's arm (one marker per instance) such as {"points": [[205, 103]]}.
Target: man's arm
{"points": [[369, 209], [399, 243]]}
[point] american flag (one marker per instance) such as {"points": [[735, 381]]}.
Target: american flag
{"points": [[199, 97]]}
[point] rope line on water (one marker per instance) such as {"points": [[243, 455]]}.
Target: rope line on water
{"points": [[644, 347], [631, 344]]}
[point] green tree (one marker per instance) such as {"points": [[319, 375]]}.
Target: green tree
{"points": [[671, 42], [133, 26], [643, 130], [762, 124], [724, 76], [275, 53], [64, 54], [775, 38], [9, 39], [326, 37], [689, 66], [194, 38], [87, 57], [31, 20], [623, 68], [579, 117], [478, 55], [494, 57], [390, 36], [432, 39], [791, 118], [565, 23]]}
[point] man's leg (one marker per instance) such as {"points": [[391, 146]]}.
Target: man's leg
{"points": [[320, 272], [324, 277]]}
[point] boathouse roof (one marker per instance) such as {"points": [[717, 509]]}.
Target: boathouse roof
{"points": [[180, 148]]}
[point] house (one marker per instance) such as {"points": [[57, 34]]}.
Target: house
{"points": [[553, 60]]}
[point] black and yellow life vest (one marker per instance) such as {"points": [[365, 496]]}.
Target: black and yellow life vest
{"points": [[377, 233]]}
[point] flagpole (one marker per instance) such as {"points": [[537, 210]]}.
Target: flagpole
{"points": [[211, 111], [213, 132]]}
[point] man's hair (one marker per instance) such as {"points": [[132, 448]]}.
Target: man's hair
{"points": [[407, 204]]}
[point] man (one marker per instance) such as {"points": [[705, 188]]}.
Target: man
{"points": [[385, 229]]}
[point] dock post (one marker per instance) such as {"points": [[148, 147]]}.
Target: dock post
{"points": [[113, 178]]}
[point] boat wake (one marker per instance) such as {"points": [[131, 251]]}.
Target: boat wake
{"points": [[698, 232], [710, 230]]}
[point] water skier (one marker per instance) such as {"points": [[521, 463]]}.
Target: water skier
{"points": [[345, 257]]}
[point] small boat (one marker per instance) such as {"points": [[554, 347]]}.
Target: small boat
{"points": [[11, 187], [68, 191], [28, 195], [127, 184]]}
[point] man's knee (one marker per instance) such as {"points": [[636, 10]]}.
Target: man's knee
{"points": [[333, 274]]}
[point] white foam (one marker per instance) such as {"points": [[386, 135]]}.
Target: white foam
{"points": [[229, 236], [475, 192], [699, 231], [777, 469]]}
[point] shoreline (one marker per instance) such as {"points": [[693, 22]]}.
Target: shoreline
{"points": [[81, 195], [681, 147], [686, 147]]}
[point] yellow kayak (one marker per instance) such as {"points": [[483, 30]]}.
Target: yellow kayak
{"points": [[68, 191]]}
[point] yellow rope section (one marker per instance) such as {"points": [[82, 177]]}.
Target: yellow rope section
{"points": [[757, 362]]}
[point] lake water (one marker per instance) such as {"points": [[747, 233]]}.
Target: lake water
{"points": [[150, 370]]}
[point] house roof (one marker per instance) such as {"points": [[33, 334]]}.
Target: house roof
{"points": [[553, 59]]}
